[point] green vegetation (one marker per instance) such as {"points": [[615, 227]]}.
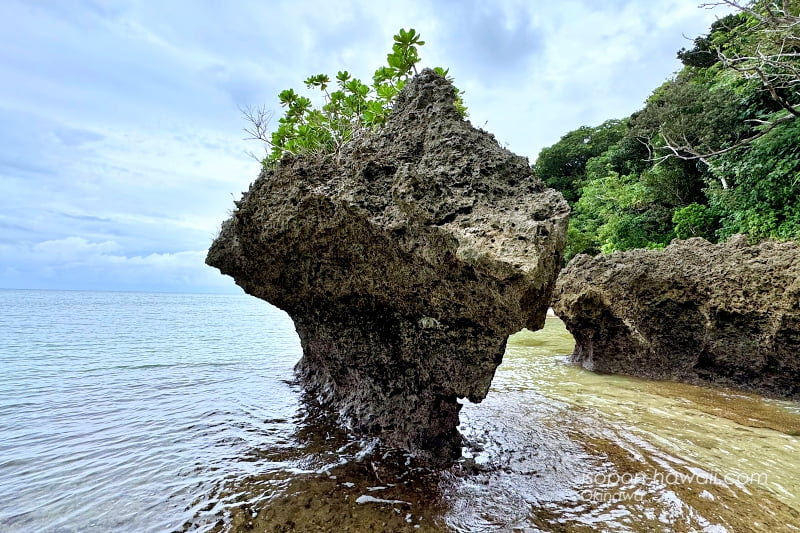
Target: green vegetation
{"points": [[349, 106], [714, 152]]}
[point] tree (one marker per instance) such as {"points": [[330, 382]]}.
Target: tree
{"points": [[714, 151], [563, 165], [675, 182], [621, 199], [771, 53], [691, 114], [705, 52], [764, 198], [759, 44], [695, 220], [352, 108]]}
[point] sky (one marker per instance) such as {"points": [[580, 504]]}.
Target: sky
{"points": [[121, 142]]}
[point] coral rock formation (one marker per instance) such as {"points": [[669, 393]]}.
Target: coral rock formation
{"points": [[405, 262], [726, 314]]}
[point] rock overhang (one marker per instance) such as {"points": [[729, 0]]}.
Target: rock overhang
{"points": [[405, 261]]}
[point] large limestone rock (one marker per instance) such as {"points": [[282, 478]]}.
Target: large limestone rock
{"points": [[405, 263], [725, 314]]}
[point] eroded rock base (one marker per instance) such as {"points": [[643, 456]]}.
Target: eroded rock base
{"points": [[725, 314]]}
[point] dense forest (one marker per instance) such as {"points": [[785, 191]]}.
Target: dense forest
{"points": [[714, 152]]}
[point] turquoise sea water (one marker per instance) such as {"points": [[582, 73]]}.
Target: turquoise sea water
{"points": [[127, 411]]}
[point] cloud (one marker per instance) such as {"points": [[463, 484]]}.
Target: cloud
{"points": [[596, 61], [494, 39], [124, 178], [91, 265], [72, 250], [121, 149], [76, 137]]}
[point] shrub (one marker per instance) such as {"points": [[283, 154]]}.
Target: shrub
{"points": [[351, 108]]}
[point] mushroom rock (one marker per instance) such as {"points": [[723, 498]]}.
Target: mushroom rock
{"points": [[405, 261], [722, 314]]}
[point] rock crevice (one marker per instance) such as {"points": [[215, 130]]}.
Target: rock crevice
{"points": [[405, 262]]}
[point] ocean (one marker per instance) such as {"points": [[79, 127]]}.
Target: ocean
{"points": [[178, 412], [125, 411]]}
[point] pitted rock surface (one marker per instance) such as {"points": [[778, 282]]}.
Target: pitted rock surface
{"points": [[405, 262], [726, 314]]}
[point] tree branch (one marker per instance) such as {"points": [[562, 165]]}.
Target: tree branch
{"points": [[259, 119], [775, 63], [694, 155]]}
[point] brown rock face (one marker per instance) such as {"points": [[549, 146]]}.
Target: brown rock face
{"points": [[725, 314], [405, 263]]}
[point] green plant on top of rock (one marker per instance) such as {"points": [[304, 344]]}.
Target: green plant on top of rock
{"points": [[350, 106]]}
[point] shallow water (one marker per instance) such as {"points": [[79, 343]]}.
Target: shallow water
{"points": [[145, 412], [127, 411]]}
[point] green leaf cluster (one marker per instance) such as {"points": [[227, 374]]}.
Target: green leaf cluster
{"points": [[563, 165], [764, 198], [628, 190], [616, 211], [349, 105], [695, 220]]}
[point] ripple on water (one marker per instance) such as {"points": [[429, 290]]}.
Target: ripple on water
{"points": [[120, 416], [552, 448], [132, 412]]}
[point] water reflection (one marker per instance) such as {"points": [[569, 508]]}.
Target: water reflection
{"points": [[553, 448]]}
